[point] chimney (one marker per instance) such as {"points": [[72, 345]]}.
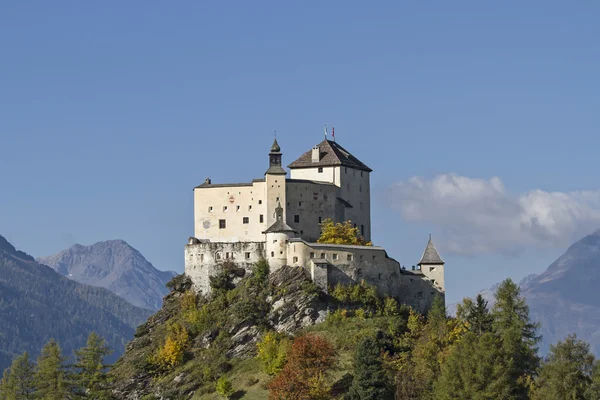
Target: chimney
{"points": [[316, 154], [207, 181]]}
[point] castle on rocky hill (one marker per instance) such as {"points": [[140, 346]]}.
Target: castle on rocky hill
{"points": [[279, 218]]}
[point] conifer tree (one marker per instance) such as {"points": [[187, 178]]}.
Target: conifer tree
{"points": [[370, 381], [474, 370], [51, 379], [91, 378], [567, 372], [17, 382], [518, 338], [476, 315]]}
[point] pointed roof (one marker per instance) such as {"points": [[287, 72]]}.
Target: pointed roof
{"points": [[279, 226], [430, 255], [275, 147], [331, 154]]}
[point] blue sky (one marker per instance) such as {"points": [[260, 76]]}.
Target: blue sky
{"points": [[479, 119]]}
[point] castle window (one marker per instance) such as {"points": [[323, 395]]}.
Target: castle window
{"points": [[245, 220], [345, 170], [349, 257], [224, 208], [302, 232], [355, 225], [247, 255], [274, 240], [296, 218], [227, 255], [218, 256], [222, 224], [237, 208], [299, 204], [373, 258], [201, 257], [359, 272], [320, 219], [312, 255], [277, 198], [295, 259], [379, 276], [431, 269], [335, 256], [361, 173], [320, 170], [362, 230], [281, 252], [260, 202], [210, 209], [272, 254], [261, 218], [433, 282], [323, 256], [249, 208]]}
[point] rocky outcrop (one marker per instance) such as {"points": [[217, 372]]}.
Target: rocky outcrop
{"points": [[116, 266], [293, 303]]}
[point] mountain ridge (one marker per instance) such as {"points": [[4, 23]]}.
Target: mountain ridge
{"points": [[116, 266], [37, 304]]}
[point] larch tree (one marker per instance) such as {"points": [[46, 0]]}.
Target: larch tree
{"points": [[566, 373], [91, 377], [518, 337], [51, 378], [341, 233], [18, 380]]}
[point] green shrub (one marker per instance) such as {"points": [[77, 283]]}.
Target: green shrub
{"points": [[390, 307], [224, 387], [272, 350]]}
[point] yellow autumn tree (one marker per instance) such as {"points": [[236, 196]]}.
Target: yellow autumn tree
{"points": [[341, 233], [172, 352]]}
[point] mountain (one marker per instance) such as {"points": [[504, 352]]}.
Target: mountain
{"points": [[37, 304], [564, 298], [116, 266]]}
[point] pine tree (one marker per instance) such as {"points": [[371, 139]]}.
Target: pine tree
{"points": [[17, 382], [567, 372], [51, 379], [517, 336], [370, 381], [476, 315], [91, 378]]}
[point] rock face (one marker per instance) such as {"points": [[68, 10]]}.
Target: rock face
{"points": [[116, 266], [37, 304], [292, 305]]}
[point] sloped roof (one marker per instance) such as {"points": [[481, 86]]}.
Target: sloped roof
{"points": [[279, 226], [331, 154], [430, 255]]}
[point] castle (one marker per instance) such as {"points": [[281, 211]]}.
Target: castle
{"points": [[279, 218]]}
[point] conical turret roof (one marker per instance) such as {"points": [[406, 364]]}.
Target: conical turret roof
{"points": [[431, 255]]}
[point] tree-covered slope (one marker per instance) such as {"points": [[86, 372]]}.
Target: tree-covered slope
{"points": [[37, 304], [116, 266]]}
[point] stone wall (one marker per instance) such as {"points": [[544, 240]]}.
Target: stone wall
{"points": [[203, 259]]}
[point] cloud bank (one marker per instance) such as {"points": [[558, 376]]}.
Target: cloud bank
{"points": [[476, 216]]}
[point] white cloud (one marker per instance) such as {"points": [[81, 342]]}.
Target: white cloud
{"points": [[478, 216]]}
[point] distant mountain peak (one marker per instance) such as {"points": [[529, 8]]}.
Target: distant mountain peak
{"points": [[116, 265]]}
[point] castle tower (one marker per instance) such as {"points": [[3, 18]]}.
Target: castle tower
{"points": [[276, 237], [432, 266], [275, 184]]}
